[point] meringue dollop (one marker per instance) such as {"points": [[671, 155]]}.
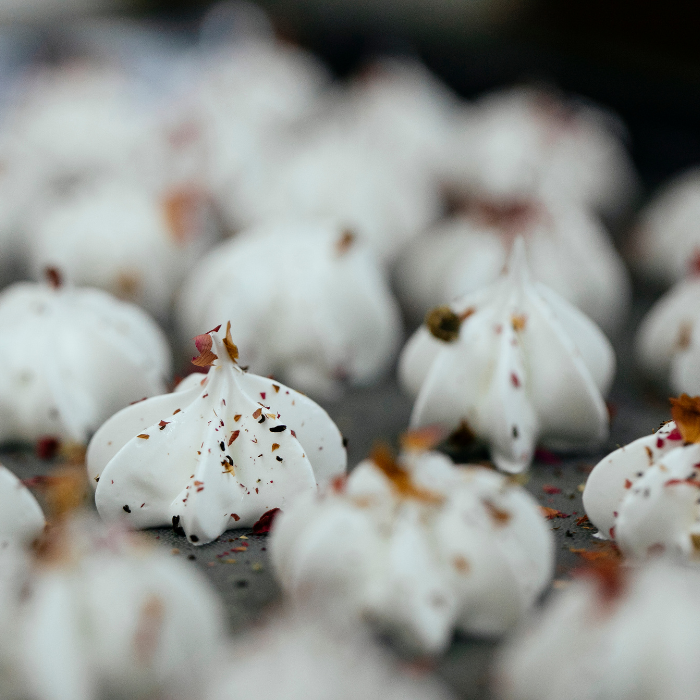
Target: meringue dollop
{"points": [[419, 547], [217, 453], [645, 495], [513, 364], [89, 355]]}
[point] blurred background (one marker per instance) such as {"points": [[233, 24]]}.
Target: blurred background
{"points": [[641, 59]]}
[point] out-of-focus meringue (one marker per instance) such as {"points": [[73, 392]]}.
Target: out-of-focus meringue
{"points": [[400, 107], [307, 303], [629, 635], [105, 617], [71, 357], [330, 170], [21, 517], [80, 123], [418, 546], [218, 453], [118, 236], [514, 365], [521, 142], [645, 494], [250, 92], [668, 339], [666, 246], [314, 662], [567, 249]]}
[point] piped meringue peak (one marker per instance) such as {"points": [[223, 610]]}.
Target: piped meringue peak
{"points": [[418, 546], [219, 452], [645, 495], [513, 364]]}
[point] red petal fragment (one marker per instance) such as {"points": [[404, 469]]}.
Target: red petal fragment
{"points": [[47, 447], [551, 490], [206, 356], [264, 525]]}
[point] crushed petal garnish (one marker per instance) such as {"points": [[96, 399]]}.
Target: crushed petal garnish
{"points": [[422, 439], [400, 479], [685, 411], [206, 356]]}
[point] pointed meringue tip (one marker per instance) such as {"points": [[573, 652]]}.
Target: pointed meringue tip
{"points": [[517, 267]]}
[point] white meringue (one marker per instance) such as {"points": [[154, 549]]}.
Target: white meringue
{"points": [[519, 365], [314, 662], [250, 92], [667, 343], [216, 454], [21, 517], [107, 618], [666, 245], [70, 358], [120, 237], [567, 249], [419, 547], [332, 169], [307, 303], [399, 106], [520, 142], [82, 122], [636, 638], [645, 495]]}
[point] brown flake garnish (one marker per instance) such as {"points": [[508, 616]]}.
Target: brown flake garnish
{"points": [[275, 446], [143, 436], [499, 516], [234, 435], [347, 238], [685, 334], [276, 388], [65, 491], [231, 348], [685, 410], [206, 356], [163, 423], [443, 323], [53, 277], [518, 322], [257, 413], [180, 210], [128, 285], [461, 564], [551, 513], [149, 630], [422, 439], [237, 417], [467, 313], [695, 539], [400, 479]]}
